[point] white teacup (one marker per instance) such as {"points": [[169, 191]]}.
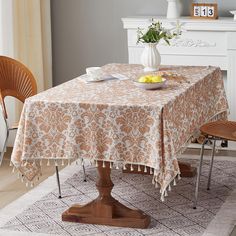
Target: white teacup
{"points": [[95, 73]]}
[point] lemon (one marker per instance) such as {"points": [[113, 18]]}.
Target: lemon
{"points": [[149, 76], [150, 79], [156, 79], [143, 79]]}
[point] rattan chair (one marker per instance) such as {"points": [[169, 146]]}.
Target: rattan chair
{"points": [[217, 130], [17, 81]]}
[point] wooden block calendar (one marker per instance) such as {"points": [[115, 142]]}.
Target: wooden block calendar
{"points": [[204, 11]]}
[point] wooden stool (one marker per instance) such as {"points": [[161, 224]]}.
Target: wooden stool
{"points": [[217, 130]]}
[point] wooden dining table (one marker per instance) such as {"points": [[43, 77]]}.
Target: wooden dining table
{"points": [[115, 124]]}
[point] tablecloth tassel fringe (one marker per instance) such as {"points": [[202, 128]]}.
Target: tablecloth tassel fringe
{"points": [[111, 165], [131, 167], [56, 164], [145, 169], [124, 166], [27, 184], [156, 185], [179, 177], [22, 179], [18, 175], [139, 168], [174, 182], [169, 187], [10, 164], [103, 164], [62, 162], [162, 198], [166, 193], [48, 163], [96, 163], [117, 166], [41, 162], [151, 172], [155, 172], [13, 169], [32, 184]]}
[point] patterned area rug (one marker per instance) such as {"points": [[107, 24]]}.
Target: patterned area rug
{"points": [[173, 217]]}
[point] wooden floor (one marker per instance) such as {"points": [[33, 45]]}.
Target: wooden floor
{"points": [[12, 188]]}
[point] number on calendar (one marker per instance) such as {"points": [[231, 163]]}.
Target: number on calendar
{"points": [[197, 11], [204, 11], [211, 11]]}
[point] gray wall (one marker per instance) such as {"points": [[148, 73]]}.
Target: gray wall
{"points": [[89, 32]]}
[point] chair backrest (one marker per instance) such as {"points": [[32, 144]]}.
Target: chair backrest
{"points": [[16, 80]]}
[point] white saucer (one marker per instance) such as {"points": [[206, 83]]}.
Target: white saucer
{"points": [[90, 79]]}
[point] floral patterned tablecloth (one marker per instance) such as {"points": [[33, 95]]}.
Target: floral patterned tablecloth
{"points": [[118, 122]]}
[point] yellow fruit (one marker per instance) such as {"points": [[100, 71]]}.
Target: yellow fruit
{"points": [[150, 79], [149, 76], [143, 79], [157, 79]]}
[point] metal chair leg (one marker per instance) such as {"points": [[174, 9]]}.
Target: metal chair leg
{"points": [[85, 180], [58, 179], [212, 160], [58, 182], [4, 147], [198, 175]]}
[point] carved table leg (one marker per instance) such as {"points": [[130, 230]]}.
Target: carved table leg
{"points": [[105, 209], [187, 170]]}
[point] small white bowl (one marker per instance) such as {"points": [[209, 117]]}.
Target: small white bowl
{"points": [[150, 86]]}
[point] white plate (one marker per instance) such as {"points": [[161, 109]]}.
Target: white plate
{"points": [[151, 86], [87, 78]]}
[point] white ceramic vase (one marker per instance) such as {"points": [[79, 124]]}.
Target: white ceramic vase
{"points": [[174, 9], [150, 58]]}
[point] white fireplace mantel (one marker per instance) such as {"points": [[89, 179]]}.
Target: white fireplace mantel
{"points": [[202, 43]]}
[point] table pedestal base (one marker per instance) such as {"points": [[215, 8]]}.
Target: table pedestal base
{"points": [[106, 210]]}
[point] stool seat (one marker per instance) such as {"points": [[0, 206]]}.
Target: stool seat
{"points": [[220, 129]]}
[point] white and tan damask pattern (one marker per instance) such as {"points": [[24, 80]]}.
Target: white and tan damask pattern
{"points": [[116, 121]]}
